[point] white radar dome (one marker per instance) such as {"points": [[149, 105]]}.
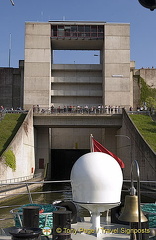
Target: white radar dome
{"points": [[96, 178]]}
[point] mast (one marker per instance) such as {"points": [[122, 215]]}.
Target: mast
{"points": [[91, 143]]}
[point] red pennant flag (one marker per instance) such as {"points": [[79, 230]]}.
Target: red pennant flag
{"points": [[97, 147]]}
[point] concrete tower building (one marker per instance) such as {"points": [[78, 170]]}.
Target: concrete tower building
{"points": [[61, 140], [106, 83]]}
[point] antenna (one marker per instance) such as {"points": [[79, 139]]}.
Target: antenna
{"points": [[12, 2], [10, 50], [42, 16]]}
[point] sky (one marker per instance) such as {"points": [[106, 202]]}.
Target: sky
{"points": [[142, 26]]}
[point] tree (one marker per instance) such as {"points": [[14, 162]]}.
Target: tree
{"points": [[151, 103]]}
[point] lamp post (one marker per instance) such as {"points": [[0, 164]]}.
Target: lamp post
{"points": [[128, 145], [10, 50]]}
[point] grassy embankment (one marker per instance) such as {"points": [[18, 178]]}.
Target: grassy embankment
{"points": [[8, 128], [147, 128]]}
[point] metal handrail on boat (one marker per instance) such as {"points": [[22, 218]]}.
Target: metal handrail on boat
{"points": [[145, 184]]}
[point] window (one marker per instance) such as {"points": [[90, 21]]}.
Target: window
{"points": [[94, 31], [60, 31], [87, 31], [78, 31], [73, 31], [67, 31], [54, 31], [100, 31]]}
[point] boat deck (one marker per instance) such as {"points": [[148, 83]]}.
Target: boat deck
{"points": [[107, 231], [83, 231]]}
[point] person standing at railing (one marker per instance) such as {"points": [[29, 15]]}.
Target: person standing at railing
{"points": [[52, 108], [102, 109], [58, 109], [38, 108], [99, 109], [1, 108], [78, 109], [65, 109], [86, 108]]}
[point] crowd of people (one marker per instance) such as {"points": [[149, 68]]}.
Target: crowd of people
{"points": [[100, 109], [11, 110]]}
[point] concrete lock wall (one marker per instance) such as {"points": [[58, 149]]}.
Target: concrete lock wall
{"points": [[42, 148], [76, 84], [116, 65], [6, 85], [69, 138], [149, 76], [131, 146], [37, 65], [22, 147], [11, 87], [79, 138]]}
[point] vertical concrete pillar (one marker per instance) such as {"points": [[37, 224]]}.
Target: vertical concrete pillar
{"points": [[37, 66], [117, 64], [42, 149]]}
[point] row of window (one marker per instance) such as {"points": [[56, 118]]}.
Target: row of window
{"points": [[77, 31]]}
